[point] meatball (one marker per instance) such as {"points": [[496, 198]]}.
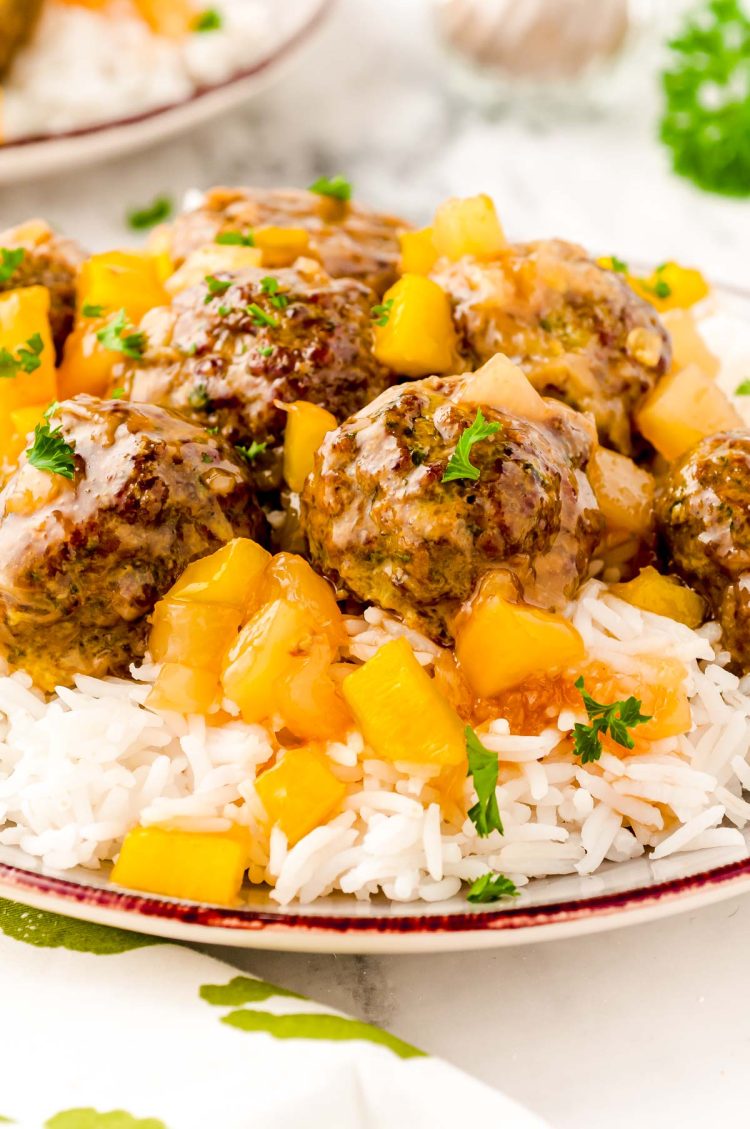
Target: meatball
{"points": [[578, 331], [228, 359], [83, 561], [381, 522], [703, 516], [349, 240], [48, 260], [17, 21]]}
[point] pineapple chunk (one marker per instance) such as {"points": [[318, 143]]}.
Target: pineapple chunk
{"points": [[501, 384], [309, 700], [173, 19], [418, 338], [267, 651], [281, 246], [289, 577], [300, 792], [662, 595], [500, 643], [684, 408], [688, 347], [86, 365], [418, 251], [214, 258], [24, 314], [185, 689], [400, 711], [121, 280], [198, 635], [468, 227], [672, 287], [199, 866], [625, 493], [306, 426], [231, 576]]}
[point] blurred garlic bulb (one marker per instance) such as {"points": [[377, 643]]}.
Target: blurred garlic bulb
{"points": [[541, 40]]}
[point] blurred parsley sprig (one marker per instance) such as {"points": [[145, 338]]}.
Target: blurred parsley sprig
{"points": [[706, 122]]}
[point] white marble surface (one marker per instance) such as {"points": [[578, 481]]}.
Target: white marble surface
{"points": [[648, 1026]]}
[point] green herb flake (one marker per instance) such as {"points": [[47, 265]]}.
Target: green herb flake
{"points": [[209, 20], [10, 261], [743, 389], [27, 358], [460, 464], [335, 186], [483, 768], [199, 399], [615, 719], [618, 265], [140, 219], [235, 239], [91, 311], [216, 286], [117, 394], [490, 888], [267, 351], [251, 452], [50, 452], [270, 287], [380, 314], [119, 336], [260, 317]]}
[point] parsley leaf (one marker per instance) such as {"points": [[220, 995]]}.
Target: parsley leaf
{"points": [[743, 389], [49, 451], [250, 453], [491, 887], [270, 286], [260, 317], [235, 239], [216, 286], [267, 351], [119, 336], [618, 265], [335, 186], [11, 261], [483, 768], [91, 311], [616, 719], [380, 314], [210, 20], [117, 394], [460, 464], [140, 219], [199, 399], [27, 359]]}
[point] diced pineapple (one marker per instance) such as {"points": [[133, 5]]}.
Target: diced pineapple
{"points": [[24, 314], [231, 576], [662, 595], [418, 251], [684, 408], [121, 280], [300, 792], [289, 577], [501, 384], [267, 651], [688, 347], [468, 227], [306, 426], [659, 685], [499, 643], [309, 700], [214, 258], [185, 689], [672, 287], [418, 338], [173, 19], [400, 712], [200, 866], [159, 245], [281, 246], [625, 493], [198, 635], [86, 365]]}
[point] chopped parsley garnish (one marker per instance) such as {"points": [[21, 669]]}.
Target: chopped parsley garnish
{"points": [[140, 219], [743, 389], [706, 121], [27, 358], [235, 239], [618, 265], [216, 286], [49, 451], [199, 399], [11, 261], [490, 888], [270, 286], [267, 351], [660, 288], [380, 314], [483, 768], [206, 458], [615, 719], [460, 464], [336, 186], [260, 317], [252, 451], [117, 394], [91, 311], [119, 336], [210, 20]]}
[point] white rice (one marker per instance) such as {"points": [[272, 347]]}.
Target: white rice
{"points": [[83, 67]]}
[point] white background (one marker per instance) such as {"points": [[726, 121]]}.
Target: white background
{"points": [[648, 1026]]}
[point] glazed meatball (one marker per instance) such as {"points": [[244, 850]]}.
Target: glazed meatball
{"points": [[381, 522], [349, 240], [578, 331], [48, 260], [17, 21], [83, 561], [228, 359], [703, 516]]}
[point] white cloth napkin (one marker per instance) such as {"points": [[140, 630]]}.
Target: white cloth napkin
{"points": [[103, 1029]]}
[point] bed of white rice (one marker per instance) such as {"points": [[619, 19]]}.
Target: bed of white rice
{"points": [[83, 67]]}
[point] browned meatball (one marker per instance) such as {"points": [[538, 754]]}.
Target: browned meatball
{"points": [[349, 240], [703, 514], [17, 20], [380, 520], [578, 331], [48, 260], [227, 360], [83, 561]]}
